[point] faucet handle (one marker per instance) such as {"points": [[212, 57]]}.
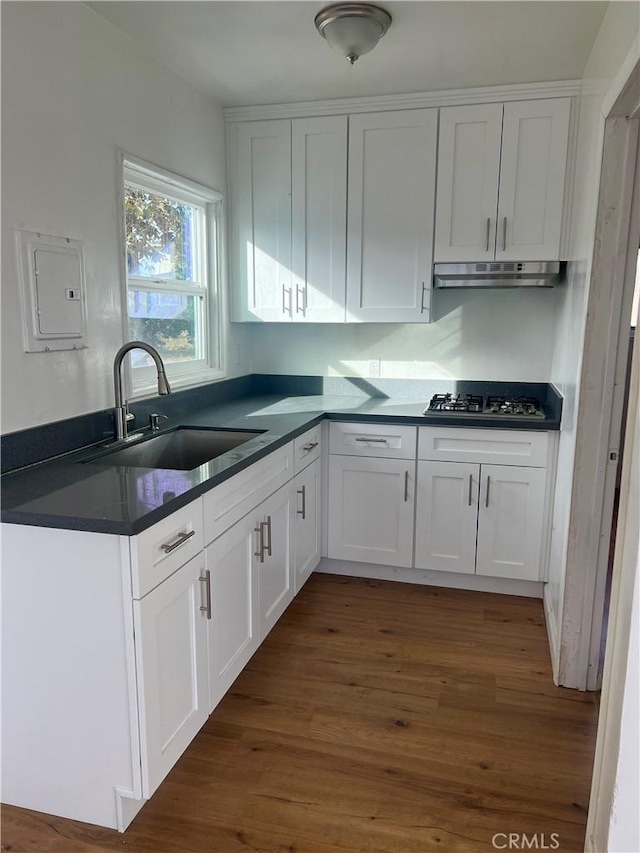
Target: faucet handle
{"points": [[154, 421]]}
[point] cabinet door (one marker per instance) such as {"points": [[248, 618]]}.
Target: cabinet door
{"points": [[532, 175], [274, 567], [392, 168], [371, 504], [233, 629], [511, 522], [468, 171], [307, 523], [263, 173], [171, 660], [447, 516], [319, 220]]}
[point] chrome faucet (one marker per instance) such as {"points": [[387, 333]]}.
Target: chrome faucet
{"points": [[121, 413]]}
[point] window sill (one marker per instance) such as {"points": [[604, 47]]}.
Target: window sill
{"points": [[202, 377]]}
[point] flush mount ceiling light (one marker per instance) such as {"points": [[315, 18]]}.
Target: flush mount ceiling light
{"points": [[352, 28]]}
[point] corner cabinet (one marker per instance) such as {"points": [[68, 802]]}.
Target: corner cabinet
{"points": [[289, 192], [392, 178], [501, 181]]}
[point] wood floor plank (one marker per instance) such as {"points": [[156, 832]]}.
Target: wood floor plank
{"points": [[377, 717]]}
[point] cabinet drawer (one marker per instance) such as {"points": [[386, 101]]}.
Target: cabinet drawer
{"points": [[493, 446], [384, 440], [306, 448], [158, 551], [234, 498]]}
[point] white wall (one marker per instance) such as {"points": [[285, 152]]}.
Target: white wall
{"points": [[615, 38], [500, 335], [74, 90]]}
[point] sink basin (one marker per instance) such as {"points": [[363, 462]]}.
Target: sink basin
{"points": [[181, 450]]}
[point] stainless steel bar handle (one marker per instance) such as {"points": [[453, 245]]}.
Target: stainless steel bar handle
{"points": [[504, 234], [406, 486], [303, 493], [260, 552], [298, 291], [285, 309], [168, 547], [486, 502], [309, 447], [207, 581], [488, 231], [377, 440], [268, 526], [305, 297], [470, 488], [422, 308]]}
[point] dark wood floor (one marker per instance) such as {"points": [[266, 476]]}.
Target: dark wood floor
{"points": [[376, 717]]}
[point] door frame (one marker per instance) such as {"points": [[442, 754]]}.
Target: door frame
{"points": [[605, 354]]}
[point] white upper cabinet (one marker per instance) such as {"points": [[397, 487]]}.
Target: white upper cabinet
{"points": [[289, 181], [319, 222], [532, 178], [501, 181], [262, 174], [468, 176], [392, 172]]}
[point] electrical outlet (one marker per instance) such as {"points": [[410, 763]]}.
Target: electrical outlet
{"points": [[374, 367]]}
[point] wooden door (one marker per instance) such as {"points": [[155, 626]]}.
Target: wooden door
{"points": [[511, 522], [468, 173], [307, 523], [447, 516], [319, 218], [262, 169], [233, 629], [532, 177], [371, 503], [171, 659], [392, 170]]}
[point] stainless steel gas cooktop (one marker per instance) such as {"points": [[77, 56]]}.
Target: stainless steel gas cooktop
{"points": [[475, 404]]}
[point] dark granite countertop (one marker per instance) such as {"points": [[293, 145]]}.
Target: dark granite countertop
{"points": [[73, 493]]}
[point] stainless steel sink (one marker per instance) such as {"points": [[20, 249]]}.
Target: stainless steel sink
{"points": [[182, 449]]}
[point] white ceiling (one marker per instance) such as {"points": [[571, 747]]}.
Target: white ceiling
{"points": [[243, 52]]}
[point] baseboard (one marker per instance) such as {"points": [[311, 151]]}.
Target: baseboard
{"points": [[453, 580], [552, 633], [127, 807]]}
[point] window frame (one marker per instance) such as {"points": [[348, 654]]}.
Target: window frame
{"points": [[208, 285]]}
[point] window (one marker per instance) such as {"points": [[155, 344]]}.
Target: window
{"points": [[173, 252]]}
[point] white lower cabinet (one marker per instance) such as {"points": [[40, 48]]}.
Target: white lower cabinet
{"points": [[447, 516], [475, 517], [371, 502], [307, 523], [511, 522], [233, 630], [273, 560], [171, 662]]}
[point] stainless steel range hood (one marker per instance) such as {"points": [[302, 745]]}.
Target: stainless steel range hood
{"points": [[498, 274]]}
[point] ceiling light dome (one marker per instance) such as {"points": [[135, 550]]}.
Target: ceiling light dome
{"points": [[352, 28]]}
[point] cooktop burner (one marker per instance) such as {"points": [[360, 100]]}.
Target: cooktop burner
{"points": [[459, 403], [475, 404]]}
